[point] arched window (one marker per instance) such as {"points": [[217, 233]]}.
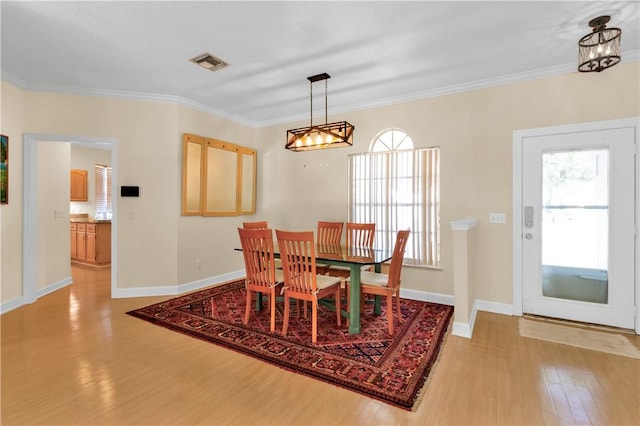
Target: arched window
{"points": [[391, 140], [397, 186]]}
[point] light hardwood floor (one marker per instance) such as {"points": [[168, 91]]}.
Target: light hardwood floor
{"points": [[74, 357]]}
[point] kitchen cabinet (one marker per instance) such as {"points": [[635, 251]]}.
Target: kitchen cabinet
{"points": [[74, 240], [78, 185], [91, 243]]}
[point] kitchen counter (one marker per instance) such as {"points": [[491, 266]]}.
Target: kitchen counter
{"points": [[84, 218]]}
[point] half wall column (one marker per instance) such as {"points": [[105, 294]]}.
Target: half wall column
{"points": [[464, 276]]}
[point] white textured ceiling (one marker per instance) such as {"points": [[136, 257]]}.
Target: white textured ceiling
{"points": [[376, 52]]}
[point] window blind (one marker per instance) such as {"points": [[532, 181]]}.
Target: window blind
{"points": [[399, 190], [103, 193]]}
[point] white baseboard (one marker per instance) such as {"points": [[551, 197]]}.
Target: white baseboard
{"points": [[459, 328], [207, 282], [17, 302], [54, 287], [178, 289], [494, 307], [463, 329], [11, 304], [426, 296]]}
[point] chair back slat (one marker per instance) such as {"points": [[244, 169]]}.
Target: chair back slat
{"points": [[262, 224], [259, 260], [396, 260], [297, 252], [360, 234], [330, 232]]}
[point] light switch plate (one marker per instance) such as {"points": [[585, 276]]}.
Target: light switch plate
{"points": [[497, 218]]}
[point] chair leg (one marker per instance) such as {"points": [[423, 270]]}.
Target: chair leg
{"points": [[285, 324], [338, 307], [398, 312], [314, 320], [247, 308], [272, 311], [390, 311]]}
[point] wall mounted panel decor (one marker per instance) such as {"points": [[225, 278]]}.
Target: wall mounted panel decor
{"points": [[218, 177]]}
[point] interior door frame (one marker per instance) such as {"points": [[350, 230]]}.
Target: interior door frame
{"points": [[30, 230], [518, 140]]}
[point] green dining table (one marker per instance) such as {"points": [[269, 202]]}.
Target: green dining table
{"points": [[354, 258]]}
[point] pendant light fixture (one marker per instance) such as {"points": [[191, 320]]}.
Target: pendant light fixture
{"points": [[599, 49], [320, 136]]}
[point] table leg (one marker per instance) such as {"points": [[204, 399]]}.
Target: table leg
{"points": [[258, 301], [377, 297], [354, 302]]}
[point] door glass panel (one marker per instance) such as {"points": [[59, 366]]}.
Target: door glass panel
{"points": [[575, 225]]}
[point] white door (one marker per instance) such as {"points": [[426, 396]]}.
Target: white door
{"points": [[578, 226]]}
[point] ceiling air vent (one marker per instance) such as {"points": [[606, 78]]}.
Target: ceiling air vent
{"points": [[210, 62]]}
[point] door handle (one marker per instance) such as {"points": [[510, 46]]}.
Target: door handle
{"points": [[528, 236], [528, 216]]}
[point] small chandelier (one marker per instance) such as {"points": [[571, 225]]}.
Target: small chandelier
{"points": [[600, 49], [320, 136]]}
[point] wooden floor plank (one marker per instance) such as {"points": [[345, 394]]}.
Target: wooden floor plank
{"points": [[75, 357]]}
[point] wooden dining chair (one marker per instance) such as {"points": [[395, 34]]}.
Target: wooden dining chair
{"points": [[301, 282], [387, 285], [357, 235], [360, 234], [262, 275], [328, 233], [262, 224]]}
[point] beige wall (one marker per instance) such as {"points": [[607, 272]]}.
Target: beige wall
{"points": [[475, 133], [206, 239], [53, 213], [12, 114], [158, 247]]}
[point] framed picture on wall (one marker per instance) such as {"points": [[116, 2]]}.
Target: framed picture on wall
{"points": [[4, 169]]}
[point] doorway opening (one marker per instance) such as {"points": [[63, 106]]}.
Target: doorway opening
{"points": [[31, 261]]}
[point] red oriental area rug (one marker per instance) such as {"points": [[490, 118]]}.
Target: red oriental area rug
{"points": [[392, 369]]}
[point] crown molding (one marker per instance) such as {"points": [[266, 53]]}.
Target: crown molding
{"points": [[121, 94], [629, 56]]}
